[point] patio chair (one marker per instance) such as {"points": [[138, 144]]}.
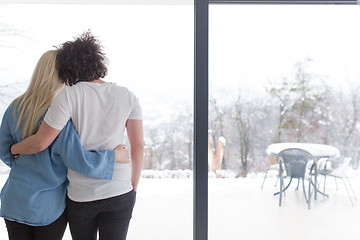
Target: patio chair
{"points": [[341, 172], [293, 164], [274, 165]]}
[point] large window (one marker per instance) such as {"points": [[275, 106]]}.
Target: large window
{"points": [[150, 51], [280, 73]]}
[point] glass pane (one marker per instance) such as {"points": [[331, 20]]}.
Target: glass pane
{"points": [[150, 51], [281, 73]]}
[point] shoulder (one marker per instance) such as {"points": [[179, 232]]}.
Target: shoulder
{"points": [[74, 88], [71, 89], [67, 94], [117, 87], [9, 112], [10, 108], [61, 97], [122, 90], [9, 120], [63, 93]]}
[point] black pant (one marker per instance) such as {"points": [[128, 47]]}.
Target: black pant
{"points": [[20, 231], [110, 216]]}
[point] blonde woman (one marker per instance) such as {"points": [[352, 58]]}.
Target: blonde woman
{"points": [[33, 198]]}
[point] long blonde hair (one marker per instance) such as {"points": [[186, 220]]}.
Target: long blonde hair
{"points": [[44, 86]]}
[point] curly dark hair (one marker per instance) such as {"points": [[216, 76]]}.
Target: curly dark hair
{"points": [[81, 60]]}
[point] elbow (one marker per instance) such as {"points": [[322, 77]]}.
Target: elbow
{"points": [[41, 147], [37, 148], [138, 147], [137, 154]]}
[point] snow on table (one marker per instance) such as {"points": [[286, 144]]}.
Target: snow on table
{"points": [[317, 150]]}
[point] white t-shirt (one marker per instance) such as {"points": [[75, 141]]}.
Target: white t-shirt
{"points": [[99, 112]]}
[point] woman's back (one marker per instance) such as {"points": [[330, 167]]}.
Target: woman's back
{"points": [[99, 112]]}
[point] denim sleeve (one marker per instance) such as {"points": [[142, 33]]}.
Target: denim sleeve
{"points": [[95, 164], [6, 139]]}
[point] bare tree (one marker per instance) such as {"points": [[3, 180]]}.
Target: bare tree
{"points": [[243, 124], [283, 101], [185, 118], [352, 119]]}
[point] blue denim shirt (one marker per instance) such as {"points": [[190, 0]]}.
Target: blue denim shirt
{"points": [[35, 190]]}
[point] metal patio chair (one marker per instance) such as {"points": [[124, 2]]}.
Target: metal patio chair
{"points": [[274, 165], [293, 164], [341, 172]]}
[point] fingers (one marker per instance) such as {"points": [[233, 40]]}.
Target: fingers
{"points": [[119, 147], [121, 154]]}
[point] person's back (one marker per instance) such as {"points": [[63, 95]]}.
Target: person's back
{"points": [[99, 112]]}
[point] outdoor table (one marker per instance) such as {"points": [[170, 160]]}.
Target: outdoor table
{"points": [[317, 150]]}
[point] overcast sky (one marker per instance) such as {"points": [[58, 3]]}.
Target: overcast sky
{"points": [[252, 44]]}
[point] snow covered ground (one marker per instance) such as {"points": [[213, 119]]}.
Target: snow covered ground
{"points": [[239, 209]]}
